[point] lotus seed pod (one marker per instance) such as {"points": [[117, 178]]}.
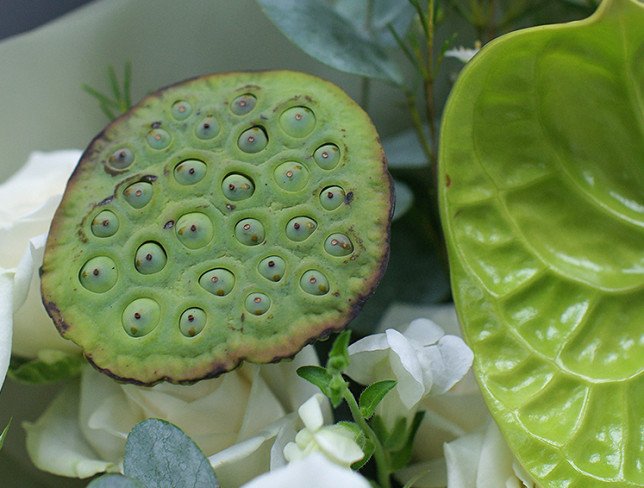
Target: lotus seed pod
{"points": [[291, 176], [314, 283], [194, 230], [219, 282], [332, 197], [105, 224], [338, 245], [150, 258], [327, 156], [99, 274], [181, 110], [253, 140], [243, 104], [297, 121], [141, 317], [237, 187], [190, 171], [192, 322], [219, 245], [139, 194], [257, 303], [272, 268], [300, 228]]}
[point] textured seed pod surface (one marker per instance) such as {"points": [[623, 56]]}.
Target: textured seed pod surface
{"points": [[230, 217]]}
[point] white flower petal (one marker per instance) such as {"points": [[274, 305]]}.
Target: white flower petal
{"points": [[406, 368], [449, 361], [262, 407], [314, 471], [337, 446], [368, 358], [462, 457], [495, 462], [6, 321], [423, 331], [311, 413], [56, 444], [427, 474]]}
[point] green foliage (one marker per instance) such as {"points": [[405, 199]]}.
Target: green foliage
{"points": [[316, 375], [541, 171], [339, 354], [3, 435], [115, 481], [120, 99], [373, 395], [50, 366]]}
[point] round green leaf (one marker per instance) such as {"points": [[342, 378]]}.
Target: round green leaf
{"points": [[542, 198]]}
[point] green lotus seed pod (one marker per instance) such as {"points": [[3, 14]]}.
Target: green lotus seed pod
{"points": [[300, 228], [192, 322], [291, 176], [120, 159], [99, 274], [332, 197], [139, 194], [229, 243], [150, 258], [181, 110], [237, 187], [141, 317], [105, 224], [190, 171], [297, 121], [158, 138], [243, 104], [272, 268], [314, 283], [218, 281], [338, 245], [194, 230], [258, 303], [208, 128], [327, 156], [249, 232], [253, 140]]}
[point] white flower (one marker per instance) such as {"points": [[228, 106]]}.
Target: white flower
{"points": [[423, 360], [314, 471], [336, 442], [29, 199], [234, 419], [462, 54]]}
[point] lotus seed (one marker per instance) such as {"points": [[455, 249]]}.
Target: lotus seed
{"points": [[297, 121], [150, 258], [332, 197], [314, 283], [237, 187], [190, 171], [327, 156], [121, 159], [181, 110], [207, 128], [272, 268], [194, 230], [243, 104], [139, 194], [252, 140], [141, 317], [338, 245], [99, 274], [192, 322], [105, 224], [219, 281], [258, 303], [249, 232], [158, 138], [300, 228], [291, 176]]}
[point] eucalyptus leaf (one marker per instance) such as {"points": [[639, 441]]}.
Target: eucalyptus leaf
{"points": [[159, 454], [542, 198], [372, 18], [321, 32], [372, 395], [115, 481], [50, 366], [404, 199]]}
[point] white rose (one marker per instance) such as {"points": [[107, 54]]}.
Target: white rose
{"points": [[29, 199], [234, 419], [422, 359], [314, 471]]}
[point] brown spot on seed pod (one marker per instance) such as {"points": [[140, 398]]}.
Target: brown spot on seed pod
{"points": [[448, 181], [348, 197], [169, 224], [137, 315]]}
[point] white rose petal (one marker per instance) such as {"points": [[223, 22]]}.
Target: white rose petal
{"points": [[6, 308], [314, 471]]}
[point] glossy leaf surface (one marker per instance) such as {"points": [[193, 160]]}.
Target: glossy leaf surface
{"points": [[542, 199]]}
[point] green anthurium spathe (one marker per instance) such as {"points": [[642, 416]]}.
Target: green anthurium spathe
{"points": [[542, 200]]}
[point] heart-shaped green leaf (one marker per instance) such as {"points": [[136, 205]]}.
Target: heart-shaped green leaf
{"points": [[542, 198]]}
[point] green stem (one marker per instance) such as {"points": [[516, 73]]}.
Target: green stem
{"points": [[382, 462]]}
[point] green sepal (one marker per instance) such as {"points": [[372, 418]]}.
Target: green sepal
{"points": [[372, 395], [339, 354]]}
